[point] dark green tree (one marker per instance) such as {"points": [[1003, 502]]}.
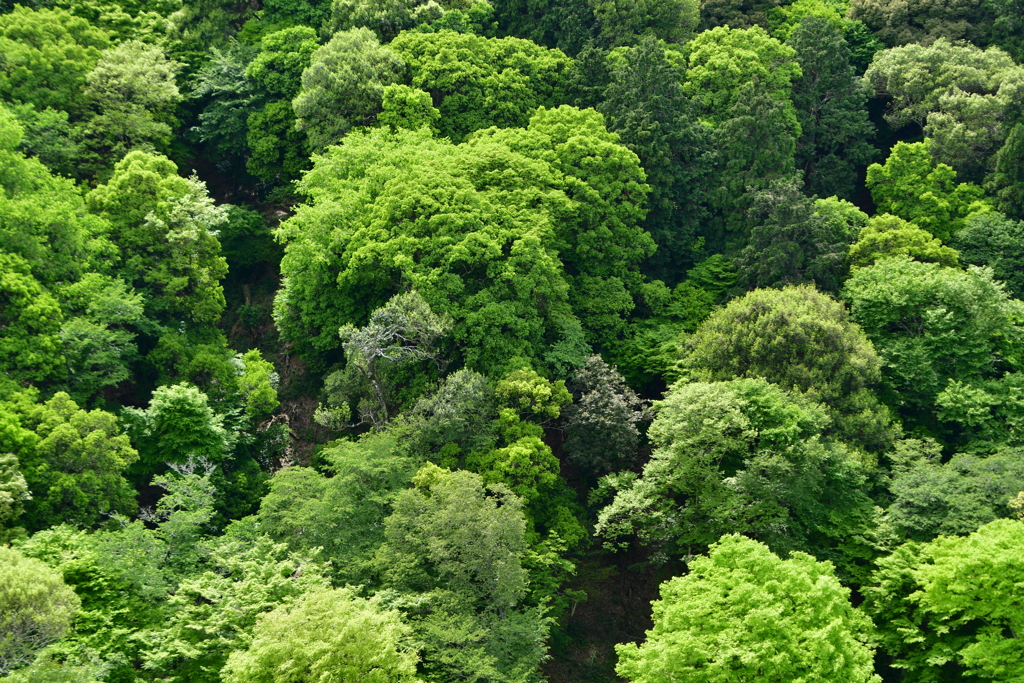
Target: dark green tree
{"points": [[831, 105]]}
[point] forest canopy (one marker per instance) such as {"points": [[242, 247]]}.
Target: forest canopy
{"points": [[494, 341]]}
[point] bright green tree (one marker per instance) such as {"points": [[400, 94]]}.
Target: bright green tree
{"points": [[742, 456], [76, 468], [801, 340], [388, 18], [13, 494], [886, 235], [343, 86], [283, 56], [483, 250], [327, 635], [178, 424], [214, 613], [953, 605], [166, 228], [478, 82], [743, 613], [914, 187], [30, 319], [47, 54], [41, 215], [38, 608], [405, 107]]}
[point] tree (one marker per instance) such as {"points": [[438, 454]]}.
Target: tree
{"points": [[831, 105], [342, 514], [620, 23], [327, 633], [956, 498], [962, 97], [214, 612], [993, 240], [13, 494], [76, 468], [343, 86], [283, 56], [227, 98], [99, 335], [743, 612], [935, 328], [403, 330], [600, 424], [1007, 180], [478, 82], [47, 54], [277, 151], [178, 424], [742, 456], [165, 226], [803, 341], [887, 235], [38, 608], [482, 249], [134, 93], [924, 22], [796, 239], [388, 18], [952, 604], [644, 103], [914, 187], [405, 107], [30, 319], [258, 385], [41, 215], [460, 546]]}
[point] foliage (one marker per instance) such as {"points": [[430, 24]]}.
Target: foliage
{"points": [[620, 23], [165, 226], [30, 318], [831, 104], [214, 612], [600, 424], [934, 326], [13, 494], [133, 91], [951, 604], [925, 22], [961, 95], [742, 611], [803, 341], [343, 86], [741, 456], [76, 468], [326, 635], [797, 239], [886, 235], [951, 499], [645, 104], [1007, 179], [388, 18], [47, 54], [914, 187], [990, 239], [283, 56], [477, 82], [405, 107], [38, 608], [178, 424], [343, 514], [460, 545], [479, 250]]}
